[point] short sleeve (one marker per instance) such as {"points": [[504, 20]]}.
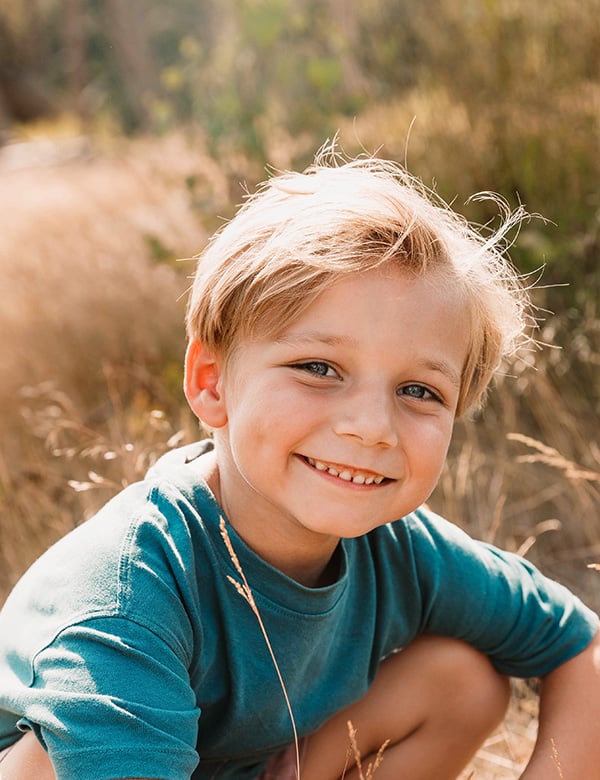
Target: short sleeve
{"points": [[112, 699], [500, 603]]}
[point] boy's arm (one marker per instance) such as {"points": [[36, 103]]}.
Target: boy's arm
{"points": [[568, 744]]}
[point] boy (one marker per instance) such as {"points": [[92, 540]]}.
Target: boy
{"points": [[337, 327]]}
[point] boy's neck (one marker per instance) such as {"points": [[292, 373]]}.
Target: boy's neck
{"points": [[314, 567]]}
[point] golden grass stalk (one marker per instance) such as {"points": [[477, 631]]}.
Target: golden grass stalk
{"points": [[551, 457], [556, 759], [245, 591], [243, 588], [374, 765]]}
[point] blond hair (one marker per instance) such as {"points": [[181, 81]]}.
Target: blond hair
{"points": [[300, 232]]}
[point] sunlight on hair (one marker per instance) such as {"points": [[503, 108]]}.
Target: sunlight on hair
{"points": [[300, 231]]}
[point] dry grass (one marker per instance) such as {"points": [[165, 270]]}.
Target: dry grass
{"points": [[91, 315], [90, 372], [505, 754]]}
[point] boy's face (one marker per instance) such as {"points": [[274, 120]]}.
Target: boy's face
{"points": [[342, 422]]}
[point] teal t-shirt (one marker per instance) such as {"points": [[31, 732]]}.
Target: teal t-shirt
{"points": [[130, 652]]}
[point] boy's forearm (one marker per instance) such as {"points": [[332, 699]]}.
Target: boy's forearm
{"points": [[568, 744]]}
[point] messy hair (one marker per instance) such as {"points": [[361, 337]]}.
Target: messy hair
{"points": [[300, 232]]}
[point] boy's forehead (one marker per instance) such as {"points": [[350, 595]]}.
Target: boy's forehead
{"points": [[381, 295], [277, 324]]}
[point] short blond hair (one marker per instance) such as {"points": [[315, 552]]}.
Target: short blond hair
{"points": [[299, 232]]}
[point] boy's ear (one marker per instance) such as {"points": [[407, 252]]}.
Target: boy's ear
{"points": [[202, 385]]}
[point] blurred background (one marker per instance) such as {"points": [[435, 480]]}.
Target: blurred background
{"points": [[129, 131]]}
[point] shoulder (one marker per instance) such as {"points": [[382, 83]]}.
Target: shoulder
{"points": [[174, 461], [494, 599], [425, 533], [133, 559], [447, 558]]}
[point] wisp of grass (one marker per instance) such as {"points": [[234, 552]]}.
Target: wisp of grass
{"points": [[245, 591], [243, 588], [374, 765]]}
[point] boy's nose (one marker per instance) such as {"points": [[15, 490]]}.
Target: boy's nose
{"points": [[369, 416]]}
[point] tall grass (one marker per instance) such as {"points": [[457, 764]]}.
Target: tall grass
{"points": [[91, 365], [91, 321]]}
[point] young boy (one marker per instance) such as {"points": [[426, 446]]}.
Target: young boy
{"points": [[338, 326]]}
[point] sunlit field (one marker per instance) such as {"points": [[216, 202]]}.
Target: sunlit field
{"points": [[129, 131], [95, 248]]}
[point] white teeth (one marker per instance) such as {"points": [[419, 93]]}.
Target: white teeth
{"points": [[358, 479]]}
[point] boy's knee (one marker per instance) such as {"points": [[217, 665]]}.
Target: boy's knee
{"points": [[467, 685], [437, 695]]}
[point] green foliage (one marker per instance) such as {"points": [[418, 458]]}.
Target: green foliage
{"points": [[506, 95]]}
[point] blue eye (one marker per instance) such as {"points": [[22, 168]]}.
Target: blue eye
{"points": [[420, 392], [316, 367]]}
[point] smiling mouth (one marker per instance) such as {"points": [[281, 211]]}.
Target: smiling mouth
{"points": [[346, 473]]}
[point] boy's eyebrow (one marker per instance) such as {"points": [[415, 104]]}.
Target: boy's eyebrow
{"points": [[442, 367], [314, 336], [433, 364]]}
